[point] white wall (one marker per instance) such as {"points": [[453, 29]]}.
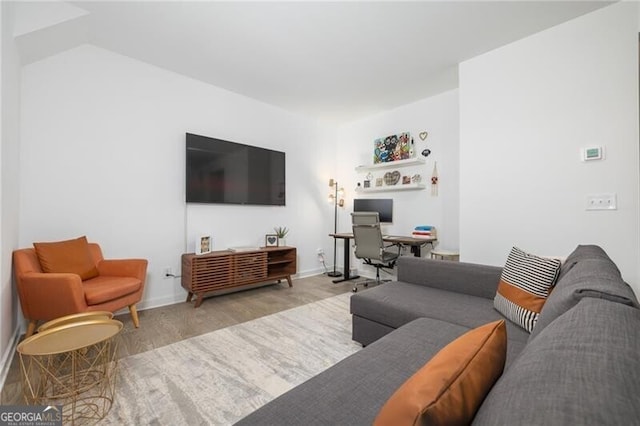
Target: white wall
{"points": [[438, 116], [102, 154], [9, 126], [525, 111]]}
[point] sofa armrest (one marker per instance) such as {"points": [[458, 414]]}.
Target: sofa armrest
{"points": [[468, 278], [45, 296], [136, 268]]}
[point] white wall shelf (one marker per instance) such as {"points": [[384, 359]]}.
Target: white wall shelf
{"points": [[392, 164], [398, 187]]}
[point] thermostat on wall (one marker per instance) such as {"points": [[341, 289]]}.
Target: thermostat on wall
{"points": [[592, 153]]}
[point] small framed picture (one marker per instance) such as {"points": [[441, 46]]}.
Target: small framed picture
{"points": [[406, 180], [367, 183], [203, 244], [379, 181], [271, 240]]}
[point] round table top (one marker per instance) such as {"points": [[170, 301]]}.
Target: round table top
{"points": [[70, 337], [68, 319]]}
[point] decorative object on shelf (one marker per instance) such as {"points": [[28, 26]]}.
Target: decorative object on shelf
{"points": [[337, 198], [434, 180], [271, 240], [416, 178], [391, 178], [281, 232], [406, 180], [425, 152], [392, 148], [423, 135], [203, 244], [396, 171]]}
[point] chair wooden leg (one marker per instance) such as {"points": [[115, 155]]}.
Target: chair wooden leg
{"points": [[31, 328], [134, 315]]}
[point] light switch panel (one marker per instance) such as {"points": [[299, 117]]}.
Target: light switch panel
{"points": [[605, 201]]}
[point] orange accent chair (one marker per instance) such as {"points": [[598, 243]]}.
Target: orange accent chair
{"points": [[117, 283]]}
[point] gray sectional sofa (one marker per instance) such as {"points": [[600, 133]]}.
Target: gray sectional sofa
{"points": [[580, 365]]}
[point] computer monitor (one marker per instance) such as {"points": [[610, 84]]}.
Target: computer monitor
{"points": [[384, 207]]}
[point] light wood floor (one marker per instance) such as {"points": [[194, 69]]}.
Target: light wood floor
{"points": [[165, 325]]}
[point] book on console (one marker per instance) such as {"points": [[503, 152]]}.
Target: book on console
{"points": [[244, 248]]}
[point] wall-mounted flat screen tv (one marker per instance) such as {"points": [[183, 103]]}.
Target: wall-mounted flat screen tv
{"points": [[223, 172], [384, 207]]}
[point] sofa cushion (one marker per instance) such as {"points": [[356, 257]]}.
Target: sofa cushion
{"points": [[397, 303], [105, 289], [353, 391], [597, 278], [582, 369], [70, 256], [524, 286], [450, 387]]}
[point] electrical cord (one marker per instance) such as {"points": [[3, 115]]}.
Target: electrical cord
{"points": [[321, 259]]}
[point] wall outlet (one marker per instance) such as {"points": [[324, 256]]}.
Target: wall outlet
{"points": [[167, 272]]}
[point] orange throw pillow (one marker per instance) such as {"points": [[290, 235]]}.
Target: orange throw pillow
{"points": [[71, 256], [451, 386]]}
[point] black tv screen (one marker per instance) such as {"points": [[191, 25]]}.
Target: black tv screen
{"points": [[384, 207], [219, 171]]}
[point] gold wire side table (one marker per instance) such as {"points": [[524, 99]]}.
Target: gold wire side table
{"points": [[69, 319], [72, 363]]}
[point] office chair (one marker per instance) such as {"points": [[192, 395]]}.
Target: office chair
{"points": [[370, 246]]}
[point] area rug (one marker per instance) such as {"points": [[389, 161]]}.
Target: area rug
{"points": [[220, 377]]}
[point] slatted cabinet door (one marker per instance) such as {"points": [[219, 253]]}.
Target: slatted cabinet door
{"points": [[250, 267], [204, 274]]}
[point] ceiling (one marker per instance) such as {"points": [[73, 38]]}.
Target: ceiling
{"points": [[332, 61]]}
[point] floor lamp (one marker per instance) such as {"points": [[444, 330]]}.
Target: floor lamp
{"points": [[337, 197]]}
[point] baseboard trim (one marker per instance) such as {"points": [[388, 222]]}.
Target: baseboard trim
{"points": [[7, 356]]}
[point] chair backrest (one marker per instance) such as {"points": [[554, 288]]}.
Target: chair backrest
{"points": [[26, 260], [367, 235]]}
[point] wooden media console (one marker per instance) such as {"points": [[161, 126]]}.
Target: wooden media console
{"points": [[221, 272]]}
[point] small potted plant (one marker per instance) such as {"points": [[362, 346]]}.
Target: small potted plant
{"points": [[281, 232]]}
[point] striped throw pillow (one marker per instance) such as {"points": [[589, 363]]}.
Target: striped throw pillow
{"points": [[524, 286]]}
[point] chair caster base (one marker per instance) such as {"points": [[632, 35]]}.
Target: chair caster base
{"points": [[354, 290]]}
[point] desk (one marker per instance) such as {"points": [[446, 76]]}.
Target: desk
{"points": [[415, 244]]}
